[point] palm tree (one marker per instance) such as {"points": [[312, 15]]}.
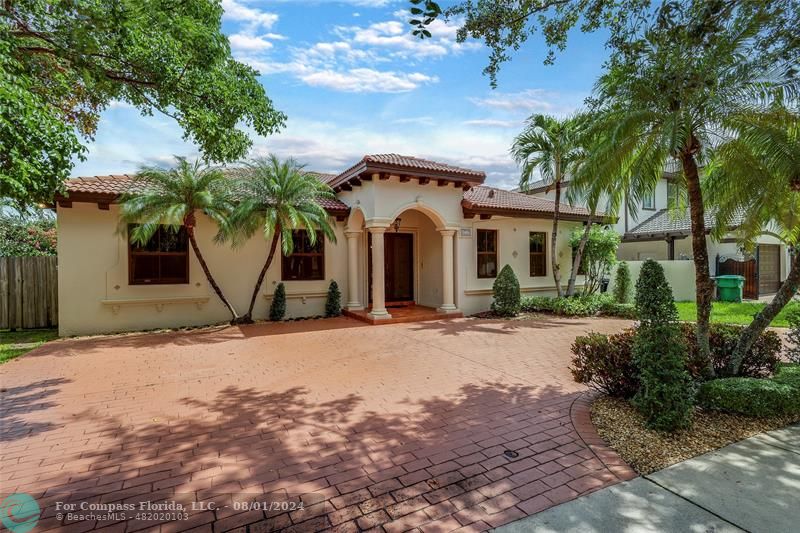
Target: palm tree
{"points": [[173, 197], [664, 99], [765, 151], [548, 145], [275, 198]]}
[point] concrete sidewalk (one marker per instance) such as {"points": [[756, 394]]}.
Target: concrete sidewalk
{"points": [[753, 485]]}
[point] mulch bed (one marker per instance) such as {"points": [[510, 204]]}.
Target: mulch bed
{"points": [[646, 451]]}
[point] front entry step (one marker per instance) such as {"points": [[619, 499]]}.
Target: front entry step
{"points": [[402, 315]]}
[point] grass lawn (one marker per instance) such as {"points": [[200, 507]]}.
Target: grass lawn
{"points": [[736, 313], [15, 343]]}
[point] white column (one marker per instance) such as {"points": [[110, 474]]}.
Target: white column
{"points": [[352, 270], [378, 278], [448, 301]]}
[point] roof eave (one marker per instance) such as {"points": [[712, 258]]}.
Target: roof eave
{"points": [[369, 167], [103, 200], [470, 210]]}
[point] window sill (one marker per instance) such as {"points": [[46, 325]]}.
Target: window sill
{"points": [[489, 292], [301, 295], [159, 303]]}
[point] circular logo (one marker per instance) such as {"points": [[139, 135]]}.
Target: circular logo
{"points": [[20, 513]]}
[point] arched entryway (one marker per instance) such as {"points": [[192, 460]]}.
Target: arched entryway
{"points": [[412, 261], [408, 262]]}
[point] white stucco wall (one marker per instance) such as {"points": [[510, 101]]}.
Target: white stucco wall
{"points": [[474, 294], [93, 271], [679, 274]]}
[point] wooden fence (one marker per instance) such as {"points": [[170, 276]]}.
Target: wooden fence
{"points": [[28, 292], [747, 268]]}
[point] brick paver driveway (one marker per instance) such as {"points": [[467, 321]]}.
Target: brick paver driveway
{"points": [[395, 427]]}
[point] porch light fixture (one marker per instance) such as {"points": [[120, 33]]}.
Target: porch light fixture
{"points": [[396, 224]]}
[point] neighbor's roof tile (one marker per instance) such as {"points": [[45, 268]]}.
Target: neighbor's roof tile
{"points": [[668, 222]]}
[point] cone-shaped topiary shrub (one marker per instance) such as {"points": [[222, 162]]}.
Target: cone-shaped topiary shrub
{"points": [[506, 293], [659, 351], [278, 306], [622, 285], [333, 304]]}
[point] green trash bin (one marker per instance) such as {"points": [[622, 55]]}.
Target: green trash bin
{"points": [[729, 288]]}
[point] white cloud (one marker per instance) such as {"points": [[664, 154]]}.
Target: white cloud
{"points": [[528, 101], [252, 17], [494, 123], [119, 104], [243, 41], [424, 121], [367, 80], [328, 146], [376, 57]]}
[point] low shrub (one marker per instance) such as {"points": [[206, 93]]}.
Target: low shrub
{"points": [[277, 309], [619, 310], [761, 360], [506, 293], [788, 374], [594, 359], [333, 302], [585, 305], [605, 362], [536, 304], [755, 397]]}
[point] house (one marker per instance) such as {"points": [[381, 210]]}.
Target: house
{"points": [[409, 232], [658, 230]]}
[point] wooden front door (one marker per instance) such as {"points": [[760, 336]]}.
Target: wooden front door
{"points": [[398, 268], [769, 268]]}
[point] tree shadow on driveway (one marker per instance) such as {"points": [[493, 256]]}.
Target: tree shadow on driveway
{"points": [[489, 454]]}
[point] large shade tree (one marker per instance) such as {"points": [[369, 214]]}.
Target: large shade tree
{"points": [[505, 26], [174, 197], [62, 63], [275, 198], [765, 151], [548, 147]]}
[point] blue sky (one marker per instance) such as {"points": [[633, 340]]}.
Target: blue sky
{"points": [[353, 81]]}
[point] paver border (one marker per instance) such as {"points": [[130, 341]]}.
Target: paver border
{"points": [[581, 415]]}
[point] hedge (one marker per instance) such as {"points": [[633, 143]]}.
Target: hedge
{"points": [[754, 397]]}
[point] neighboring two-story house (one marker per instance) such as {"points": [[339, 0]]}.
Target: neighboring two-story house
{"points": [[657, 230]]}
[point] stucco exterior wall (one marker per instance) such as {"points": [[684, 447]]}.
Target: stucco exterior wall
{"points": [[93, 275], [95, 296], [474, 294]]}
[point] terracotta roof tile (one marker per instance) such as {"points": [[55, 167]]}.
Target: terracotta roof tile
{"points": [[407, 164], [484, 197], [116, 184], [421, 164]]}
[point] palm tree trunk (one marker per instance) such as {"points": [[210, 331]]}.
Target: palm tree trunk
{"points": [[554, 239], [764, 318], [248, 318], [703, 284], [209, 277], [576, 262]]}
